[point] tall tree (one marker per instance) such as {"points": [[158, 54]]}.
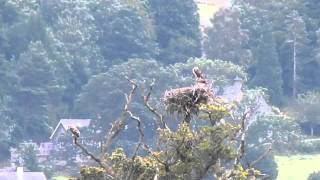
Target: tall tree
{"points": [[36, 91], [311, 14], [297, 38], [268, 72], [21, 20], [177, 29], [29, 156], [123, 30], [72, 45], [226, 40], [312, 68], [8, 83], [318, 47]]}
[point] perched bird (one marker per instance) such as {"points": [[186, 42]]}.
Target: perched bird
{"points": [[199, 76], [75, 131], [197, 73]]}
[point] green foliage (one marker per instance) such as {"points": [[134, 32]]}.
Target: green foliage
{"points": [[5, 123], [195, 152], [30, 159], [185, 152], [37, 90], [125, 31], [291, 24], [142, 167], [4, 149], [177, 29], [277, 131], [311, 17], [309, 146], [268, 70], [314, 176], [220, 72], [276, 128], [305, 109], [213, 112], [267, 165], [226, 40], [92, 173], [298, 166], [92, 100], [8, 83], [52, 51], [57, 57], [296, 42], [190, 151]]}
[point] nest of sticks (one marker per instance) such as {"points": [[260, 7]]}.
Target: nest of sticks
{"points": [[186, 100]]}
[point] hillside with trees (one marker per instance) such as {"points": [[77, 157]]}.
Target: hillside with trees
{"points": [[73, 58]]}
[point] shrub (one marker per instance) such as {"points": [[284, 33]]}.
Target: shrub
{"points": [[314, 176]]}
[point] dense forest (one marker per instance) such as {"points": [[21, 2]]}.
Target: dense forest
{"points": [[69, 58]]}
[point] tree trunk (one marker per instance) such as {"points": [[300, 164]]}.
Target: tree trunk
{"points": [[294, 83], [311, 130]]}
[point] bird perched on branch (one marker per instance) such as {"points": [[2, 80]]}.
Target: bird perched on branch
{"points": [[75, 131]]}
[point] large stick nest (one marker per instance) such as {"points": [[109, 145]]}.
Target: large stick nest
{"points": [[186, 100]]}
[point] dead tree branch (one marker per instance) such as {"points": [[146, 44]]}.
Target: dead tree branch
{"points": [[152, 109], [141, 134], [140, 143], [262, 156], [84, 150], [118, 125], [248, 111], [242, 131]]}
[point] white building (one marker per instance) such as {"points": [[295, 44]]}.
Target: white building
{"points": [[234, 93], [20, 174]]}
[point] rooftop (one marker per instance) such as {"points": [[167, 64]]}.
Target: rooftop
{"points": [[67, 123], [24, 176], [21, 175]]}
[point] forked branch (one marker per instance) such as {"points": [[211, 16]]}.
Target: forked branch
{"points": [[159, 116], [118, 125]]}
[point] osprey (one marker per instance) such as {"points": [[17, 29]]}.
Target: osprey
{"points": [[197, 73], [75, 131]]}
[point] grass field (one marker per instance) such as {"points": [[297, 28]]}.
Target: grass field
{"points": [[297, 167], [60, 178]]}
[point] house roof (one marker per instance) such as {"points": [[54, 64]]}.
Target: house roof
{"points": [[66, 123], [24, 176]]}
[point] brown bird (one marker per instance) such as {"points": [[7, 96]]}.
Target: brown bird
{"points": [[75, 131], [197, 73]]}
